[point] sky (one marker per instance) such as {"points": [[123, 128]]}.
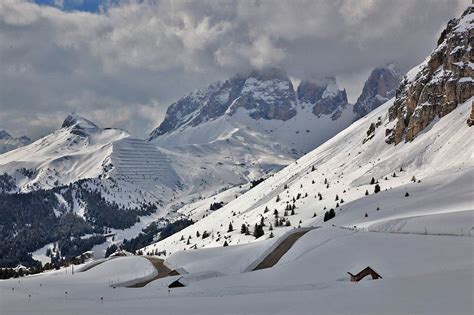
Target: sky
{"points": [[121, 63]]}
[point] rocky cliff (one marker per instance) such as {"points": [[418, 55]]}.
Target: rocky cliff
{"points": [[434, 88], [265, 94], [324, 96], [379, 88]]}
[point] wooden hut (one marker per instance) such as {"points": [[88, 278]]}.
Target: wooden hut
{"points": [[365, 272], [180, 283]]}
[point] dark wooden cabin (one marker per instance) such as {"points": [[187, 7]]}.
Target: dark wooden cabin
{"points": [[365, 272], [176, 284]]}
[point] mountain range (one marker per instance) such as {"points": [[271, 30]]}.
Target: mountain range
{"points": [[8, 143], [248, 146]]}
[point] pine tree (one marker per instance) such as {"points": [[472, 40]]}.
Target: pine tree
{"points": [[271, 235], [372, 181], [293, 211], [366, 192], [366, 215], [225, 244], [337, 198], [377, 188], [231, 228], [243, 229], [278, 198], [407, 194]]}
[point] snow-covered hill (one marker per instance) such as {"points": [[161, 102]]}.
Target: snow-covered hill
{"points": [[82, 150]]}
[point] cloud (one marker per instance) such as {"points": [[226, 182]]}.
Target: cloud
{"points": [[122, 67]]}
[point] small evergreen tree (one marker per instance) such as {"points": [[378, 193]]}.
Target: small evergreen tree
{"points": [[231, 228], [407, 194], [366, 192], [225, 244], [372, 181], [377, 188]]}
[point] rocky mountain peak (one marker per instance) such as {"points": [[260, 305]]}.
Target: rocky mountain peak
{"points": [[379, 88], [76, 121], [265, 94], [8, 142], [435, 87], [323, 95], [5, 135]]}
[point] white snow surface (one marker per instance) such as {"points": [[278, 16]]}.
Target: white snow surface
{"points": [[421, 245]]}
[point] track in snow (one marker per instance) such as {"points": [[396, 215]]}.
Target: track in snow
{"points": [[279, 251]]}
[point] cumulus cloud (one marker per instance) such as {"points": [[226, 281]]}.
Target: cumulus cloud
{"points": [[122, 67]]}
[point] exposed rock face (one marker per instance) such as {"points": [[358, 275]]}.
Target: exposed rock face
{"points": [[266, 94], [324, 96], [434, 88], [379, 88], [470, 121], [8, 142], [78, 125]]}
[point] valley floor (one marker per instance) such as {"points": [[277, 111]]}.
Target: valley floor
{"points": [[422, 274]]}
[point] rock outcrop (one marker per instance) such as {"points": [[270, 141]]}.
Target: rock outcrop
{"points": [[324, 96], [470, 121], [436, 87], [379, 88]]}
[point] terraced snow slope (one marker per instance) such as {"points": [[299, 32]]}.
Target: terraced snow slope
{"points": [[137, 160]]}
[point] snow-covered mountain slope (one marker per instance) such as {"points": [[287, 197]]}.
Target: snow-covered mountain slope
{"points": [[261, 110], [355, 163], [8, 142], [81, 150], [379, 88], [343, 169]]}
